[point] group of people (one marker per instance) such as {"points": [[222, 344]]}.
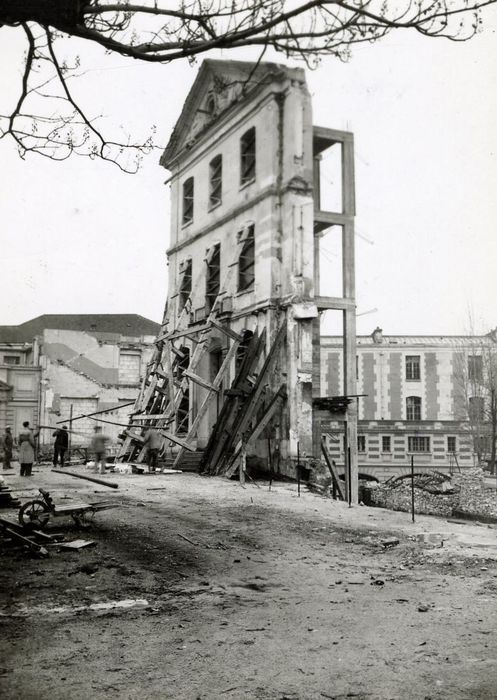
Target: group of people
{"points": [[26, 442]]}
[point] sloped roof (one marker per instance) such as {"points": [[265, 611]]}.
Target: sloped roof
{"points": [[122, 324], [251, 74]]}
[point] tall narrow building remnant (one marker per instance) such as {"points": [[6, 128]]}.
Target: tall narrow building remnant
{"points": [[244, 279]]}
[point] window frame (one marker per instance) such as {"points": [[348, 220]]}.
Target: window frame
{"points": [[451, 438], [212, 277], [216, 181], [475, 368], [185, 283], [386, 450], [362, 441], [413, 368], [247, 270], [476, 409], [413, 408], [188, 201], [248, 157], [418, 444]]}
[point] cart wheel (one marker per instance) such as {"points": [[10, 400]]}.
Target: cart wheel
{"points": [[84, 520], [34, 514]]}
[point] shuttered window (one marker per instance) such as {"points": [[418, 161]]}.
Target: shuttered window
{"points": [[246, 261], [215, 181], [247, 156], [188, 201]]}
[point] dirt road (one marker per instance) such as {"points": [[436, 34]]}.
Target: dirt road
{"points": [[200, 589]]}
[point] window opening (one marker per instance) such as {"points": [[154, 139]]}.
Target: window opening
{"points": [[475, 368], [188, 201], [361, 443], [476, 408], [11, 360], [413, 408], [185, 283], [451, 444], [215, 181], [213, 276], [385, 443], [182, 363], [247, 156], [417, 443], [246, 261], [413, 370]]}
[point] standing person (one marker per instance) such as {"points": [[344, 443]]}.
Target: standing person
{"points": [[152, 441], [60, 445], [26, 442], [8, 443], [99, 449]]}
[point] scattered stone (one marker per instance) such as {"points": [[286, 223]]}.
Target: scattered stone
{"points": [[423, 608]]}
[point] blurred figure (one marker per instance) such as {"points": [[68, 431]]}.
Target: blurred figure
{"points": [[99, 449], [8, 442], [152, 441], [27, 445], [60, 445]]}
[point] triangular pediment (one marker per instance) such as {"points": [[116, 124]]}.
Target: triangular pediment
{"points": [[219, 85]]}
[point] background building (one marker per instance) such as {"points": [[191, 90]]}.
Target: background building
{"points": [[57, 366], [427, 396]]}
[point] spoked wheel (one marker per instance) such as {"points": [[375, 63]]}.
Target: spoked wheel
{"points": [[34, 514]]}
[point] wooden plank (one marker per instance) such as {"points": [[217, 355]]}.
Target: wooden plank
{"points": [[182, 443], [334, 474], [227, 331], [340, 303], [198, 380], [110, 484]]}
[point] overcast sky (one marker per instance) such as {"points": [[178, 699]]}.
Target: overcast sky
{"points": [[82, 237]]}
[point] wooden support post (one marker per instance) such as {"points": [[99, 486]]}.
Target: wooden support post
{"points": [[243, 464]]}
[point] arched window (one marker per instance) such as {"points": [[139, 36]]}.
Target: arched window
{"points": [[413, 408]]}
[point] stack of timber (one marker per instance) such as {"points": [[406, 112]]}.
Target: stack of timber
{"points": [[6, 498], [249, 407]]}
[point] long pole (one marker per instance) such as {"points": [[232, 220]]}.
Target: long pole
{"points": [[298, 468], [104, 410], [412, 487], [70, 430], [349, 480], [270, 462]]}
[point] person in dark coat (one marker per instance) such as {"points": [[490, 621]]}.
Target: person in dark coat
{"points": [[8, 443], [60, 445]]}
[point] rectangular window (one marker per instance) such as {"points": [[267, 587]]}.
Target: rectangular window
{"points": [[246, 261], [11, 360], [247, 156], [361, 443], [417, 443], [188, 201], [451, 444], [185, 282], [386, 443], [476, 408], [475, 368], [215, 181], [357, 367], [129, 368], [413, 408], [413, 371], [213, 276]]}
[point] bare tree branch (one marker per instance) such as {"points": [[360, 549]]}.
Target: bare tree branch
{"points": [[160, 31]]}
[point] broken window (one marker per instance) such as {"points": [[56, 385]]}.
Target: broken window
{"points": [[247, 156], [246, 262], [183, 411], [385, 443], [241, 351], [361, 443], [215, 181], [213, 276], [188, 201], [413, 368], [418, 443], [413, 408], [476, 408], [475, 368], [185, 282]]}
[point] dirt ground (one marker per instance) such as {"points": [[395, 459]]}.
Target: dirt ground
{"points": [[198, 588]]}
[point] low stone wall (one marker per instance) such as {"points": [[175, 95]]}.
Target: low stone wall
{"points": [[473, 499]]}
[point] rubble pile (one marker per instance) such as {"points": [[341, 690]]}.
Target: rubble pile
{"points": [[468, 496]]}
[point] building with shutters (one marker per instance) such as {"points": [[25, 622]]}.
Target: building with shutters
{"points": [[55, 366], [424, 396]]}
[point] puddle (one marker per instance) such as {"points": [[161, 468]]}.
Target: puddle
{"points": [[23, 611]]}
